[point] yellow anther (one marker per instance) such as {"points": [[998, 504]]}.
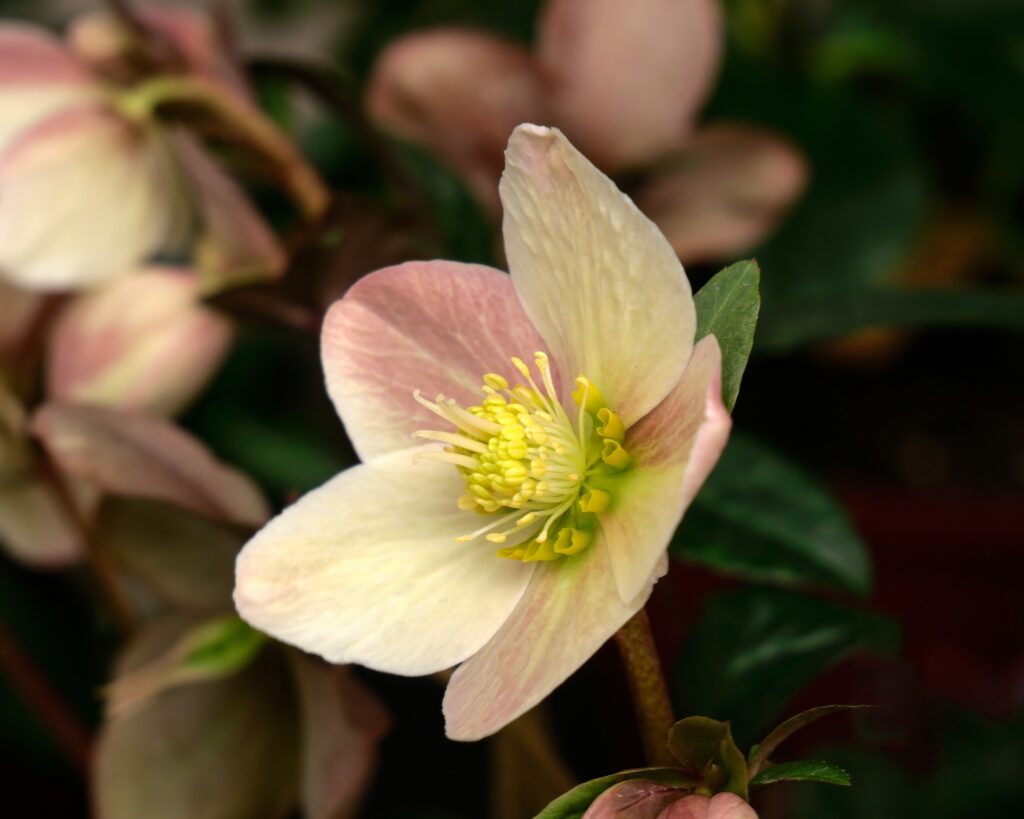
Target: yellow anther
{"points": [[586, 391], [495, 381], [527, 519], [572, 541], [595, 500], [614, 455], [611, 425], [496, 537], [539, 550], [520, 365], [466, 502]]}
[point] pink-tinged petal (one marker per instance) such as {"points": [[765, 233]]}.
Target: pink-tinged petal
{"points": [[37, 77], [601, 284], [458, 93], [674, 449], [144, 343], [366, 570], [732, 187], [35, 528], [32, 56], [720, 806], [130, 453], [84, 196], [342, 723], [433, 326], [694, 806], [729, 806], [633, 799], [235, 246], [569, 610], [627, 86]]}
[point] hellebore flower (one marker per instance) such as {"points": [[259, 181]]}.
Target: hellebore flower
{"points": [[91, 186], [625, 85], [533, 521]]}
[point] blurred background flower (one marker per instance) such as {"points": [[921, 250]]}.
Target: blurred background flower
{"points": [[164, 270], [626, 88]]}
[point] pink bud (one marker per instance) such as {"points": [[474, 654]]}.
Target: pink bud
{"points": [[145, 342], [633, 799], [627, 86], [720, 806], [732, 185], [458, 93]]}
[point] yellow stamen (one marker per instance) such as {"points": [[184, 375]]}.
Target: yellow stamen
{"points": [[530, 465]]}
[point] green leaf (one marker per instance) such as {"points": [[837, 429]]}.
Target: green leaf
{"points": [[727, 306], [221, 647], [759, 757], [753, 649], [763, 518], [804, 770], [795, 321], [574, 803], [212, 650], [706, 751]]}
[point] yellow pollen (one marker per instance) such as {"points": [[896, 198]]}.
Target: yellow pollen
{"points": [[545, 475]]}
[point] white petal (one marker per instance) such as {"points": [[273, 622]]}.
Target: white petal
{"points": [[568, 612], [599, 281], [366, 570]]}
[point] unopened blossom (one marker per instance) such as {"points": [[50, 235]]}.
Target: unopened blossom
{"points": [[143, 342], [626, 84], [643, 799], [529, 445], [90, 186]]}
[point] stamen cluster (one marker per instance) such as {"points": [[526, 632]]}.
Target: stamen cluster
{"points": [[524, 460]]}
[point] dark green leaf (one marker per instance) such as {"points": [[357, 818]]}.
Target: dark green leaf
{"points": [[800, 320], [753, 649], [804, 770], [727, 306], [573, 804], [780, 734], [706, 751], [762, 517]]}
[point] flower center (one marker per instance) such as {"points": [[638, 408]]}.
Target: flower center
{"points": [[544, 476]]}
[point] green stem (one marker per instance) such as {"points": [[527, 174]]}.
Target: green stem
{"points": [[244, 120], [647, 685]]}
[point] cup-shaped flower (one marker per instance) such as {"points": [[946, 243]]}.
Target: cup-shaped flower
{"points": [[144, 342], [512, 516], [92, 186]]}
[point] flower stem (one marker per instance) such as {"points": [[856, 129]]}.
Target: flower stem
{"points": [[647, 685], [64, 726], [244, 121]]}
